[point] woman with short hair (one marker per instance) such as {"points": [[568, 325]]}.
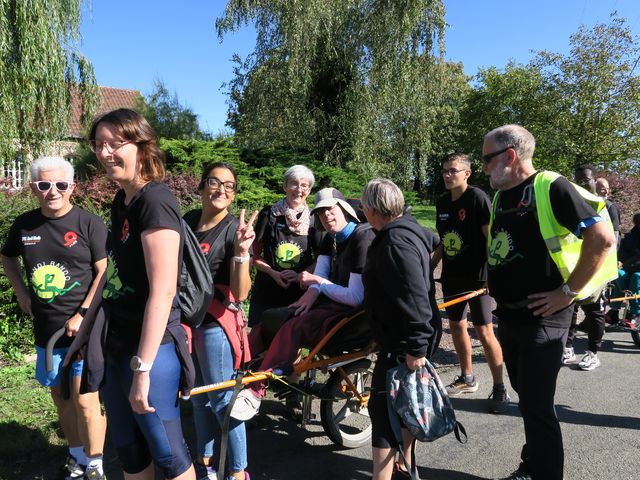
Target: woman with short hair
{"points": [[396, 281], [286, 244]]}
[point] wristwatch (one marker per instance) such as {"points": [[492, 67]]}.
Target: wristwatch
{"points": [[137, 365], [568, 292], [82, 311]]}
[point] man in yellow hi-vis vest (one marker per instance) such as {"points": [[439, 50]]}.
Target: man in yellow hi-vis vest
{"points": [[548, 246]]}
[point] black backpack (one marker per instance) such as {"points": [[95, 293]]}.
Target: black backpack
{"points": [[196, 283]]}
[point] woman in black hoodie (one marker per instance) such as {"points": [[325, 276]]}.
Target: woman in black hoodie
{"points": [[397, 284]]}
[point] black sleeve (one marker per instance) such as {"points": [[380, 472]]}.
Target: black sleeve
{"points": [[262, 226], [315, 239], [11, 247], [407, 284], [160, 209], [363, 239], [612, 208], [326, 246], [484, 208], [97, 239], [569, 208], [439, 201]]}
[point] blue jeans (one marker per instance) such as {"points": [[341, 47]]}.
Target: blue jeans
{"points": [[158, 435], [213, 360]]}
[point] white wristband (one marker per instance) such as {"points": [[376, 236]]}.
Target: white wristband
{"points": [[242, 259]]}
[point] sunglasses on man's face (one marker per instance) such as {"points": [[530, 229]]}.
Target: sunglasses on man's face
{"points": [[45, 186]]}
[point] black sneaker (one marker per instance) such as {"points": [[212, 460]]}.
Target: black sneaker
{"points": [[518, 475], [499, 399]]}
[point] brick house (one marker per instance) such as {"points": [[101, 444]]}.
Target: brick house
{"points": [[110, 99]]}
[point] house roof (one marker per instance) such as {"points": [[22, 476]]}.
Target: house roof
{"points": [[110, 99]]}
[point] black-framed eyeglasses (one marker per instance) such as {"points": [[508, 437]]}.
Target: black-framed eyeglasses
{"points": [[112, 145], [215, 183], [45, 186], [451, 171], [489, 156]]}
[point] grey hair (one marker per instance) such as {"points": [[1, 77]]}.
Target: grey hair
{"points": [[518, 137], [384, 197], [297, 173], [44, 164]]}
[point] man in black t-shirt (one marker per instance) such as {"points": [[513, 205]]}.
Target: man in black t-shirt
{"points": [[533, 297], [63, 252], [462, 220]]}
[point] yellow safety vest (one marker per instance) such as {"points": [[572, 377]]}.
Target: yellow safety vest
{"points": [[563, 245]]}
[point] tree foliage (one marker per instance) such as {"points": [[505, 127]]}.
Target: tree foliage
{"points": [[168, 117], [583, 107], [598, 95], [350, 81], [40, 67]]}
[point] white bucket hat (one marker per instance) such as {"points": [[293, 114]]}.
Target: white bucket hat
{"points": [[328, 197]]}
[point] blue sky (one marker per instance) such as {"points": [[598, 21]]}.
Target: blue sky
{"points": [[131, 43]]}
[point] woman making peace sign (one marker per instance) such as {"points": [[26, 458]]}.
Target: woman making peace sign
{"points": [[220, 344]]}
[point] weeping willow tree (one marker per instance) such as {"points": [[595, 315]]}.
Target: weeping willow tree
{"points": [[40, 67], [353, 81]]}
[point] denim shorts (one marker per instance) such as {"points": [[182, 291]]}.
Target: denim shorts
{"points": [[52, 378]]}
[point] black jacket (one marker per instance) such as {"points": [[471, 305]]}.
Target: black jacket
{"points": [[397, 284], [629, 253]]}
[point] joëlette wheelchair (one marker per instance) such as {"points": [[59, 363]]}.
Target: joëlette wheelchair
{"points": [[338, 372], [624, 302]]}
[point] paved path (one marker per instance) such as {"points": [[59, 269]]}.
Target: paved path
{"points": [[599, 411]]}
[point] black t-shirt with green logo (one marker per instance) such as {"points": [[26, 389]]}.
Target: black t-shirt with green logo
{"points": [[127, 288], [464, 246], [518, 261], [59, 255], [282, 249]]}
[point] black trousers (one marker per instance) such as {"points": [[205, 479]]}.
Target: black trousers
{"points": [[533, 357], [594, 321]]}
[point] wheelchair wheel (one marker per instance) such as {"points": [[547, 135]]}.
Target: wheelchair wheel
{"points": [[636, 337], [345, 421]]}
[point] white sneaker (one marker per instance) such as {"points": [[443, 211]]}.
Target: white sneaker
{"points": [[246, 405], [568, 355], [590, 361]]}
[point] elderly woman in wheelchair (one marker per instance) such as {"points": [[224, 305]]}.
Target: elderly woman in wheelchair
{"points": [[333, 290]]}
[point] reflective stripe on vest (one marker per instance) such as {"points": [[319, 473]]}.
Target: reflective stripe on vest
{"points": [[564, 247]]}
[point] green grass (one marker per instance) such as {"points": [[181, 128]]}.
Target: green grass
{"points": [[28, 423], [426, 215]]}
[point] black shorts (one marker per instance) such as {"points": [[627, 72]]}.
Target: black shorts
{"points": [[480, 306]]}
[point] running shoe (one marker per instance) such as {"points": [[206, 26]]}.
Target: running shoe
{"points": [[93, 473], [590, 361], [71, 470], [568, 356], [460, 385], [499, 399], [246, 406]]}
